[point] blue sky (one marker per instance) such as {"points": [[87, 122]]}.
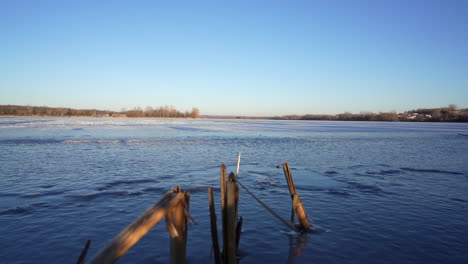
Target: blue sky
{"points": [[235, 57]]}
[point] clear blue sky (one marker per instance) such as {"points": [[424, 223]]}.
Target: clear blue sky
{"points": [[235, 57]]}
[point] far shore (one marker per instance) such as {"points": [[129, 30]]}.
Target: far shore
{"points": [[450, 113], [237, 118], [77, 116]]}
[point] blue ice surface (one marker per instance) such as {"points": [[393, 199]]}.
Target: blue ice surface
{"points": [[378, 192]]}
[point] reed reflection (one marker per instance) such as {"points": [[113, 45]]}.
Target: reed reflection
{"points": [[296, 244]]}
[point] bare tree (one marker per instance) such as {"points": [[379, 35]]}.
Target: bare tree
{"points": [[195, 112]]}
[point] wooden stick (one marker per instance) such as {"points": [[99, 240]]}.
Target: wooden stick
{"points": [[223, 185], [177, 221], [136, 230], [239, 222], [223, 206], [231, 221], [214, 229], [297, 205], [238, 165], [236, 200], [287, 173], [84, 252]]}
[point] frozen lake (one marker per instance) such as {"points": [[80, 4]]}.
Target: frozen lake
{"points": [[378, 192]]}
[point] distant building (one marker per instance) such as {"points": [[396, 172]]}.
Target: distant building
{"points": [[412, 115]]}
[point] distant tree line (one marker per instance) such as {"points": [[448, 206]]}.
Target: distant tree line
{"points": [[163, 111], [347, 116], [451, 114], [443, 114], [19, 110]]}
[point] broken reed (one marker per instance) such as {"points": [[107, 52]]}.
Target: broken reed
{"points": [[214, 228], [230, 223], [297, 206], [174, 206]]}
